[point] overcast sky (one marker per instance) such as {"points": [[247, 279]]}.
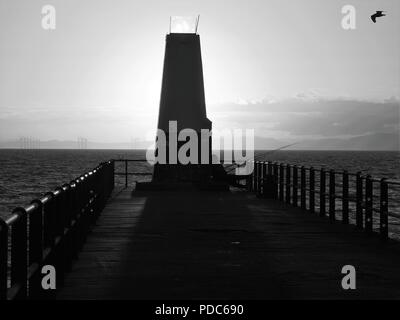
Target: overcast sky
{"points": [[285, 68]]}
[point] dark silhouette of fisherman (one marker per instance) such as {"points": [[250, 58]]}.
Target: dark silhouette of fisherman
{"points": [[378, 14]]}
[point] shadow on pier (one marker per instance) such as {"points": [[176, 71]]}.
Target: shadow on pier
{"points": [[227, 245]]}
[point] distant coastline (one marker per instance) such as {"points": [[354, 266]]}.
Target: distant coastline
{"points": [[370, 142]]}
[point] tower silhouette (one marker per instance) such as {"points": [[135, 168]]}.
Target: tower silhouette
{"points": [[182, 101]]}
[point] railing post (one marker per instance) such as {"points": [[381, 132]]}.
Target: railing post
{"points": [[359, 201], [281, 181], [260, 175], [295, 183], [276, 174], [264, 180], [303, 188], [19, 250], [126, 173], [69, 237], [112, 164], [256, 173], [383, 212], [60, 218], [82, 211], [322, 192], [312, 190], [345, 197], [35, 247], [86, 213], [368, 204], [270, 168], [48, 221], [107, 174], [3, 259], [332, 195], [271, 185], [73, 217], [249, 182], [287, 183], [257, 178], [61, 207]]}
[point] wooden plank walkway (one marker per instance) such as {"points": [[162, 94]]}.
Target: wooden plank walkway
{"points": [[225, 245]]}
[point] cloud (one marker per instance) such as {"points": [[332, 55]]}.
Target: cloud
{"points": [[311, 116], [306, 117]]}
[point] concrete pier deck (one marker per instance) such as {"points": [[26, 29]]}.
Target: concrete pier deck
{"points": [[225, 245]]}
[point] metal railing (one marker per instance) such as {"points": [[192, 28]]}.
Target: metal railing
{"points": [[126, 173], [325, 190], [50, 231]]}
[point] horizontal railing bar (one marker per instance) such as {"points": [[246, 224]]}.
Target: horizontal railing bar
{"points": [[11, 219], [131, 160], [336, 172], [133, 173], [393, 182]]}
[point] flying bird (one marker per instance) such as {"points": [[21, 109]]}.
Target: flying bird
{"points": [[377, 15]]}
